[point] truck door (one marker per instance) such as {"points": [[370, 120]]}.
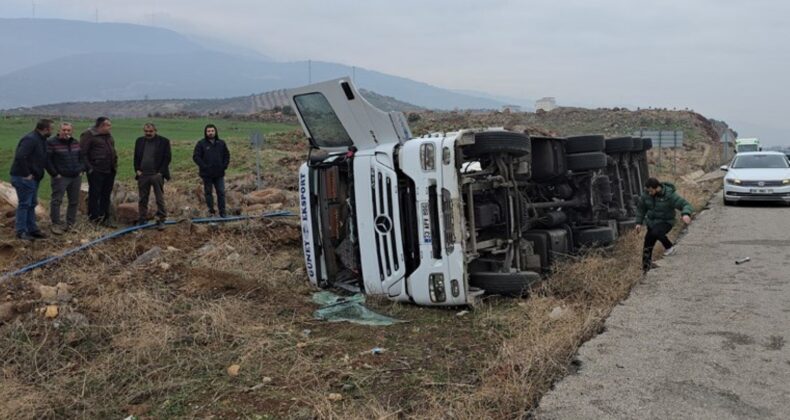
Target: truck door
{"points": [[334, 116]]}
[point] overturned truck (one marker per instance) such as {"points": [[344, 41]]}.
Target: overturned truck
{"points": [[444, 218]]}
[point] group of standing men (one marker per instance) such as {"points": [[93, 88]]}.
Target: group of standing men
{"points": [[65, 159]]}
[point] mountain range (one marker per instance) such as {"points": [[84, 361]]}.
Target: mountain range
{"points": [[49, 61]]}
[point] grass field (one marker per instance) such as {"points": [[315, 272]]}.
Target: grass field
{"points": [[182, 132]]}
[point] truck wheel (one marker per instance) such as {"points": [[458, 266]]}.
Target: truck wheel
{"points": [[584, 144], [619, 144], [548, 158], [587, 161], [595, 236], [498, 142], [505, 284]]}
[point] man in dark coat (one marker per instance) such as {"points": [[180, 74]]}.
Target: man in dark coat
{"points": [[98, 150], [65, 167], [656, 209], [152, 167], [212, 158], [30, 161]]}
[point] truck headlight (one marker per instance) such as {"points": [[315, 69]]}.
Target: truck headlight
{"points": [[733, 181], [436, 287], [428, 157]]}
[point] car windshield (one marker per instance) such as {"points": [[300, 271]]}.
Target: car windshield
{"points": [[760, 162]]}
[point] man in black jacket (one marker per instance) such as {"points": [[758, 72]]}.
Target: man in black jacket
{"points": [[151, 165], [97, 147], [30, 161], [212, 158], [65, 166]]}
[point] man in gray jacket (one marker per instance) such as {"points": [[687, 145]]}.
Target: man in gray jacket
{"points": [[65, 166]]}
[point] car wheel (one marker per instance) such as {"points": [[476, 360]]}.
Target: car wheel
{"points": [[584, 144], [619, 145], [727, 202], [587, 161], [599, 236], [505, 284], [498, 142]]}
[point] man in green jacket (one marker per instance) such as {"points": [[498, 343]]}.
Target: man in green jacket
{"points": [[656, 210]]}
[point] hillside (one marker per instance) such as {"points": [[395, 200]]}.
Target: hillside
{"points": [[240, 105]]}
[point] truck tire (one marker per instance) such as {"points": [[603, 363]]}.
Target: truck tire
{"points": [[548, 158], [598, 236], [505, 284], [619, 145], [584, 144], [498, 142], [586, 161]]}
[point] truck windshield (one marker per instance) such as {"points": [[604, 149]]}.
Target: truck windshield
{"points": [[760, 162], [322, 123], [747, 147]]}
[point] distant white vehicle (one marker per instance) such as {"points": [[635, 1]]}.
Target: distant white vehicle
{"points": [[757, 176], [747, 145]]}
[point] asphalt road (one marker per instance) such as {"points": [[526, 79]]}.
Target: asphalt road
{"points": [[700, 337]]}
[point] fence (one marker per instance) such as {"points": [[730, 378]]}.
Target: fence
{"points": [[663, 139]]}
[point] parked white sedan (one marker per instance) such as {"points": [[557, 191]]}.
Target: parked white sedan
{"points": [[757, 176]]}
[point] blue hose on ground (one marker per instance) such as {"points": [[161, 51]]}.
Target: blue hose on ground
{"points": [[122, 232]]}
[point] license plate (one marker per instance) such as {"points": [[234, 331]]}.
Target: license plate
{"points": [[761, 191]]}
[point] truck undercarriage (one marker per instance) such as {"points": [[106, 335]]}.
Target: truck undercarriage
{"points": [[440, 219]]}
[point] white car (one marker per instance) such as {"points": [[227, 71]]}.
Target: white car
{"points": [[757, 176]]}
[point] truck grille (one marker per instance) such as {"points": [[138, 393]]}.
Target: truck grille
{"points": [[384, 188]]}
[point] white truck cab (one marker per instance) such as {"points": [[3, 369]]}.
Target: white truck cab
{"points": [[371, 200]]}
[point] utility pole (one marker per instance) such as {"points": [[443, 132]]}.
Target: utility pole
{"points": [[309, 72], [34, 9], [354, 74]]}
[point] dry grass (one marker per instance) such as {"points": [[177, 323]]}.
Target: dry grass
{"points": [[159, 338]]}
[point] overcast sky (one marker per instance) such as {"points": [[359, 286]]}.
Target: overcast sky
{"points": [[728, 59]]}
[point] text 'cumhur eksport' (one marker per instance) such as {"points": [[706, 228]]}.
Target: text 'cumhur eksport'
{"points": [[443, 218]]}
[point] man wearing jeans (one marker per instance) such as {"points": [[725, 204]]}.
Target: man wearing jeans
{"points": [[151, 165], [30, 161], [101, 161], [65, 166], [212, 158], [656, 209]]}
